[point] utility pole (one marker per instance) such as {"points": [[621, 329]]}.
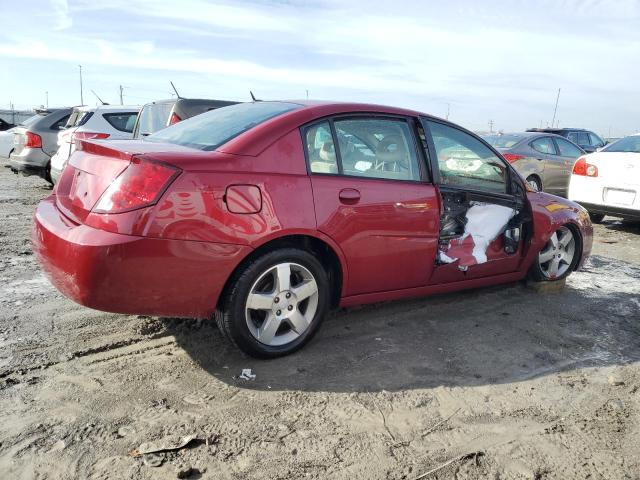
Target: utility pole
{"points": [[121, 101], [448, 110], [47, 95], [490, 126], [81, 97], [13, 113], [555, 110], [307, 94]]}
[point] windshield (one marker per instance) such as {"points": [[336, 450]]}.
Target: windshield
{"points": [[210, 130], [626, 144], [31, 120], [502, 141]]}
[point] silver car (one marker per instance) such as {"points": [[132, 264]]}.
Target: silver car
{"points": [[35, 141], [544, 159]]}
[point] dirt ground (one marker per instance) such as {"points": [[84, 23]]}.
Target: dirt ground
{"points": [[505, 382]]}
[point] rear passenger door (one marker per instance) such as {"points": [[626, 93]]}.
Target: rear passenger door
{"points": [[569, 153], [373, 197], [553, 175]]}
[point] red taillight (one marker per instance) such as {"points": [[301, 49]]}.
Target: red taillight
{"points": [[89, 136], [512, 157], [582, 168], [140, 185], [33, 140], [175, 118]]}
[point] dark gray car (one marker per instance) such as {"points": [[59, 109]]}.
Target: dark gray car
{"points": [[157, 115], [585, 139], [545, 160], [35, 141]]}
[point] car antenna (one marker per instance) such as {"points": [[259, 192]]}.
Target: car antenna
{"points": [[175, 89], [253, 97], [101, 101]]}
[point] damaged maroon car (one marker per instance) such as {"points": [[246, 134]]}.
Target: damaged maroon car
{"points": [[266, 215]]}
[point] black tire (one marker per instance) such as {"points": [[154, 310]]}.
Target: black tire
{"points": [[596, 217], [534, 180], [231, 318], [537, 274]]}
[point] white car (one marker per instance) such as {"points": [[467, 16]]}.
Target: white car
{"points": [[607, 182], [114, 122]]}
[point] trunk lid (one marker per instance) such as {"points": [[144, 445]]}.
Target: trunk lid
{"points": [[621, 169]]}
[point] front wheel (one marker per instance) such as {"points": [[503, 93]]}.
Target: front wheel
{"points": [[559, 256], [275, 303]]}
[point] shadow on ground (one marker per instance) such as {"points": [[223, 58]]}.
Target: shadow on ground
{"points": [[492, 335]]}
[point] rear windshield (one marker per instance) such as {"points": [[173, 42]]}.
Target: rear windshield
{"points": [[31, 120], [123, 121], [210, 130], [502, 141], [626, 144], [154, 117]]}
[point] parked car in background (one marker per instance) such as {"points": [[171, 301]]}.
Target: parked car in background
{"points": [[4, 125], [114, 122], [35, 141], [6, 137], [265, 215], [585, 139], [545, 160], [608, 182], [157, 115]]}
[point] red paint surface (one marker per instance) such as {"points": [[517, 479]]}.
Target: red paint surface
{"points": [[174, 258]]}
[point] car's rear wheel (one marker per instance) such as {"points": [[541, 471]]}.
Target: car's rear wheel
{"points": [[596, 217], [535, 183], [275, 303], [559, 256]]}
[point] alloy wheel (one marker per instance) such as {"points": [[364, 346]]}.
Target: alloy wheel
{"points": [[558, 254], [281, 304]]}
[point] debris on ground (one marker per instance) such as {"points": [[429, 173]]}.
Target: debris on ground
{"points": [[247, 374]]}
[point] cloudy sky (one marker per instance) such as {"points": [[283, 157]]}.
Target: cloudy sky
{"points": [[492, 60]]}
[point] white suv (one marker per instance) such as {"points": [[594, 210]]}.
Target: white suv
{"points": [[114, 122]]}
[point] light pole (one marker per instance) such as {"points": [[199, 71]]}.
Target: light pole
{"points": [[81, 97], [47, 95]]}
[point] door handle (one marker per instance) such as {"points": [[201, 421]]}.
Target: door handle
{"points": [[349, 195]]}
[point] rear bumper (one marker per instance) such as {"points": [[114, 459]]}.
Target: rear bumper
{"points": [[128, 274], [32, 161], [630, 213]]}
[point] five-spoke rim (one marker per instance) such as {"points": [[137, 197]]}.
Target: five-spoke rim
{"points": [[281, 304], [557, 255]]}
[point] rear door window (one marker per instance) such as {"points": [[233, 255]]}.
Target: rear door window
{"points": [[567, 149], [377, 148], [544, 145], [122, 121]]}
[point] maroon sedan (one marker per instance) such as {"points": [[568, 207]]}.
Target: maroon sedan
{"points": [[266, 215]]}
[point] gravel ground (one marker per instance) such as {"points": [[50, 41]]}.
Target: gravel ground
{"points": [[502, 383]]}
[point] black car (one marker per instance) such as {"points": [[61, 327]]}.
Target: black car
{"points": [[586, 139], [5, 125], [157, 115]]}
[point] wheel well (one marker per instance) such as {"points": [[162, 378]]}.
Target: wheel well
{"points": [[320, 249], [578, 235], [536, 177]]}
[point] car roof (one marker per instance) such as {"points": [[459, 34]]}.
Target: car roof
{"points": [[261, 136], [551, 130], [116, 108]]}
